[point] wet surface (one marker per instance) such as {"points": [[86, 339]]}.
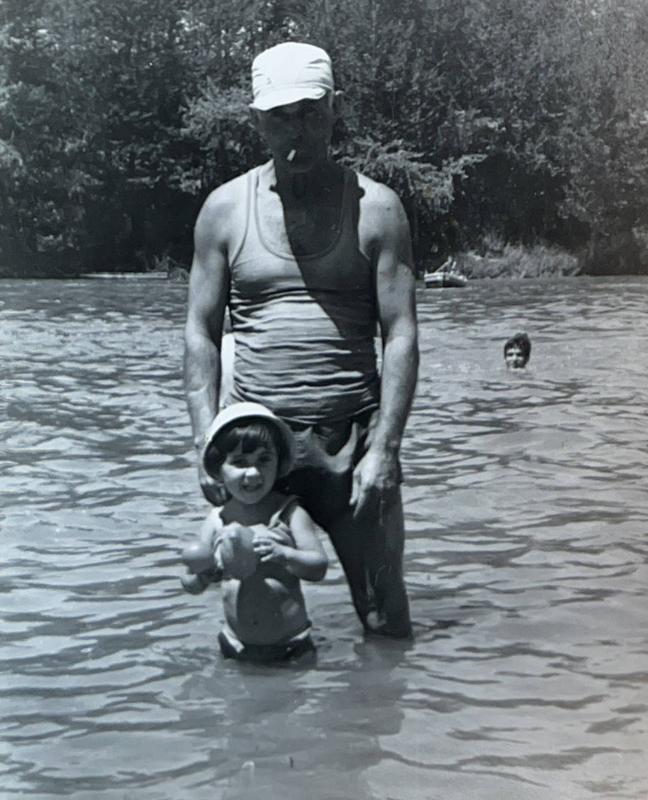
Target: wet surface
{"points": [[527, 513]]}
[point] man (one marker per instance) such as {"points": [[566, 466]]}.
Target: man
{"points": [[309, 258]]}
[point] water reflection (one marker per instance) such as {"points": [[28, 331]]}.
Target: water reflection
{"points": [[275, 727], [526, 561]]}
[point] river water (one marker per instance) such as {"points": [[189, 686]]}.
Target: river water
{"points": [[527, 516]]}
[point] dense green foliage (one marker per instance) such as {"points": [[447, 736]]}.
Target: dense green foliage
{"points": [[522, 119]]}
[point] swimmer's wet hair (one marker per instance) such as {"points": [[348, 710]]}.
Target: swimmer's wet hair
{"points": [[249, 434], [522, 341]]}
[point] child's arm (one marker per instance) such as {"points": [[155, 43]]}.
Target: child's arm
{"points": [[307, 559], [198, 557]]}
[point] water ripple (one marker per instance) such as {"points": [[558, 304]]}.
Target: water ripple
{"points": [[526, 560]]}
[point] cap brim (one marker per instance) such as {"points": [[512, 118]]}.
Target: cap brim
{"points": [[284, 97]]}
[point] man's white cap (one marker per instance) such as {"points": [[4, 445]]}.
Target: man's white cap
{"points": [[247, 412], [289, 72]]}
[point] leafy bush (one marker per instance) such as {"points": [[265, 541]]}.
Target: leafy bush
{"points": [[505, 261], [523, 117]]}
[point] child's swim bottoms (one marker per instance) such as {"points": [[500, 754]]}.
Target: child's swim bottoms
{"points": [[232, 647]]}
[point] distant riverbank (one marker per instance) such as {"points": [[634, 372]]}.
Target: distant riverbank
{"points": [[516, 261], [494, 261]]}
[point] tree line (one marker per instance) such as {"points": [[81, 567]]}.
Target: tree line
{"points": [[520, 120]]}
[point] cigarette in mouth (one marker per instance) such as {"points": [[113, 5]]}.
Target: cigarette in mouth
{"points": [[291, 155]]}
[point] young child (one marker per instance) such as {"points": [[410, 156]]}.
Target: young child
{"points": [[517, 351], [260, 543]]}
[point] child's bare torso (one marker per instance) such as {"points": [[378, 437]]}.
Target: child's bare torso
{"points": [[267, 606]]}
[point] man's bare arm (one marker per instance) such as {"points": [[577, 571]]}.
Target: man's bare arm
{"points": [[391, 255], [208, 292], [396, 295]]}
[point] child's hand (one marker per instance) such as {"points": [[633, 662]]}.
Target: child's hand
{"points": [[268, 550], [196, 584]]}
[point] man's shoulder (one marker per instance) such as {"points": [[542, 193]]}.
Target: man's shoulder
{"points": [[222, 201], [382, 214], [220, 218], [377, 198]]}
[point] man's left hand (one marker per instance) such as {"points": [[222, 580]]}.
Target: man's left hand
{"points": [[375, 476]]}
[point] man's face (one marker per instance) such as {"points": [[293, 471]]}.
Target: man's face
{"points": [[298, 134]]}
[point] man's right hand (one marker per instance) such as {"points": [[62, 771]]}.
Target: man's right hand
{"points": [[213, 490]]}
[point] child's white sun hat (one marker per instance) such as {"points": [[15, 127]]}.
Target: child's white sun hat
{"points": [[248, 412]]}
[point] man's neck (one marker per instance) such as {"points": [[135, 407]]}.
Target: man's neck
{"points": [[297, 187]]}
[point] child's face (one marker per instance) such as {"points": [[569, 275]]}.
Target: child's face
{"points": [[248, 477], [514, 357]]}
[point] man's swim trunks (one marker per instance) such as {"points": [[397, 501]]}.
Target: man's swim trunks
{"points": [[327, 454]]}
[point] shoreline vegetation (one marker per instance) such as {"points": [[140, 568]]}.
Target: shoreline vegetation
{"points": [[117, 120], [494, 260], [516, 262], [506, 261]]}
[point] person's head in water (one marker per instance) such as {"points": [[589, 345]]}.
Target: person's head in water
{"points": [[517, 351], [295, 104]]}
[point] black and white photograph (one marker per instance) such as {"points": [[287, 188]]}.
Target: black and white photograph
{"points": [[323, 391]]}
